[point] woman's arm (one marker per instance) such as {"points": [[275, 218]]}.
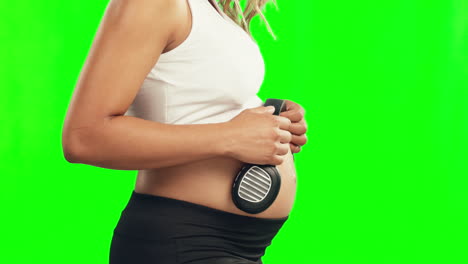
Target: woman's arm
{"points": [[130, 143], [128, 43]]}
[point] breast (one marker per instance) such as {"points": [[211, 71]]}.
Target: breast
{"points": [[211, 77]]}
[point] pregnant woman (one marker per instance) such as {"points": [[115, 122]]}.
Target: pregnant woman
{"points": [[169, 88]]}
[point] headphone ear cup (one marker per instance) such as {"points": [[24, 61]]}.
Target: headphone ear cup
{"points": [[256, 187]]}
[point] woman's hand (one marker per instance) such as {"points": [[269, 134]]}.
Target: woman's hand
{"points": [[257, 136], [295, 113]]}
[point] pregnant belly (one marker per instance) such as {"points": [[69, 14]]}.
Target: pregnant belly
{"points": [[209, 182]]}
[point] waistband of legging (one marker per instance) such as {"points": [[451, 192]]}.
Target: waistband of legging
{"points": [[162, 204]]}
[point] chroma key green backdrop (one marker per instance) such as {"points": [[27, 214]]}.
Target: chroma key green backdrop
{"points": [[382, 180]]}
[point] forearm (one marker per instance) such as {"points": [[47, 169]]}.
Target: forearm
{"points": [[130, 143]]}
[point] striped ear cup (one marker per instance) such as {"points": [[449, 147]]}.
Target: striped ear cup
{"points": [[256, 186]]}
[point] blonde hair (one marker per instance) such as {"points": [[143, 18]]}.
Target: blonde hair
{"points": [[253, 7]]}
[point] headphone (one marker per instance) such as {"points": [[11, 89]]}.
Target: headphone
{"points": [[256, 186]]}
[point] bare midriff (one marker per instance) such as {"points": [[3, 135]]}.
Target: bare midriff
{"points": [[209, 183]]}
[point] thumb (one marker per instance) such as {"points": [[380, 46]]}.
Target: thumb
{"points": [[266, 109]]}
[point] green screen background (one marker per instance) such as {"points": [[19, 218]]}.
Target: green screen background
{"points": [[382, 179]]}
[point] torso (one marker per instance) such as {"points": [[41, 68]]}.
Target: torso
{"points": [[209, 182]]}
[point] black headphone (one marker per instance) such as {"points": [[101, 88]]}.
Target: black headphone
{"points": [[256, 186]]}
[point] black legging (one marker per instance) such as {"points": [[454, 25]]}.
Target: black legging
{"points": [[155, 229]]}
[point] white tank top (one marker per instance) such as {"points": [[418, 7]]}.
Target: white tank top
{"points": [[209, 78]]}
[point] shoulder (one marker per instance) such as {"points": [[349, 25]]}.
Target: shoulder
{"points": [[134, 13]]}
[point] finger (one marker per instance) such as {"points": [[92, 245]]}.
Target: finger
{"points": [[298, 128], [284, 122], [285, 136], [263, 109], [292, 147], [277, 160], [283, 149], [293, 106], [290, 105], [295, 148], [294, 115], [299, 140]]}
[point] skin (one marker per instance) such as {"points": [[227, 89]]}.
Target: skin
{"points": [[193, 162]]}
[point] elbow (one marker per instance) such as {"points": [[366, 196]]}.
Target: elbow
{"points": [[70, 155], [79, 144], [72, 149]]}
